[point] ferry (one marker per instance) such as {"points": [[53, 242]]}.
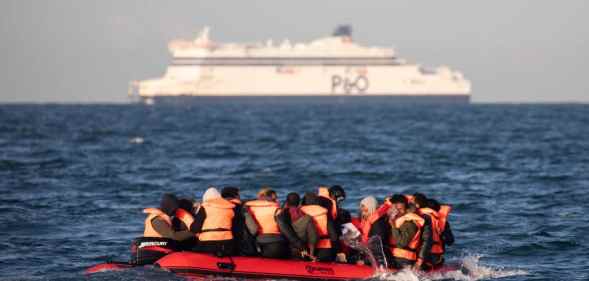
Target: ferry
{"points": [[329, 68]]}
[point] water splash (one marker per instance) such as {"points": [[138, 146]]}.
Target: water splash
{"points": [[470, 270]]}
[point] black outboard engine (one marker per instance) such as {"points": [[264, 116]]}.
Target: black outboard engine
{"points": [[147, 250]]}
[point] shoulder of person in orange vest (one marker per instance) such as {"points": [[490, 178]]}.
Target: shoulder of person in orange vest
{"points": [[443, 210], [183, 217], [159, 222], [324, 223], [212, 200]]}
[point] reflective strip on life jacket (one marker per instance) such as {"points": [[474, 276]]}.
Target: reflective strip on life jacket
{"points": [[410, 252], [219, 220], [319, 216], [264, 212], [153, 213], [185, 217], [324, 192]]}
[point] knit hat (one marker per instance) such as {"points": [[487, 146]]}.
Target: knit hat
{"points": [[211, 193], [370, 203]]}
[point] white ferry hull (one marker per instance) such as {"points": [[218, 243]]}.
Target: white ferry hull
{"points": [[302, 81], [329, 67], [315, 99]]}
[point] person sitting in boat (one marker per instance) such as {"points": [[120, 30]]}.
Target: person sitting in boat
{"points": [[244, 242], [406, 233], [338, 195], [183, 219], [298, 228], [429, 233], [261, 221], [373, 222], [328, 235], [442, 235], [213, 224], [159, 237]]}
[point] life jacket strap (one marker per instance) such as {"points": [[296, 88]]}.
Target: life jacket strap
{"points": [[215, 229], [404, 254]]}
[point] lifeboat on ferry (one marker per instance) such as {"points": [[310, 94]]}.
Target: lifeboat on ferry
{"points": [[196, 265]]}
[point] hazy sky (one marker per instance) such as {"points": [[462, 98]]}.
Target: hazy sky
{"points": [[87, 51]]}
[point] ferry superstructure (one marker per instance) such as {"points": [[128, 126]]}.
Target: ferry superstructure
{"points": [[333, 66]]}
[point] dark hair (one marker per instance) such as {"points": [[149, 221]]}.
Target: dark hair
{"points": [[310, 198], [337, 191], [433, 204], [185, 204], [169, 204], [324, 202], [398, 198], [230, 192], [420, 200], [293, 199]]}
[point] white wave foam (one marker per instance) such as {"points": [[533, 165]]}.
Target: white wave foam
{"points": [[470, 270], [136, 140]]}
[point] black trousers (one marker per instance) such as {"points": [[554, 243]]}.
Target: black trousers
{"points": [[401, 263], [325, 255], [275, 250], [220, 248]]}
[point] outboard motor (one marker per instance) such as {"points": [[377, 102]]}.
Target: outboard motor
{"points": [[147, 250]]}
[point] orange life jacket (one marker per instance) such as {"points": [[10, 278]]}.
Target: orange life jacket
{"points": [[439, 220], [319, 216], [435, 222], [153, 213], [185, 217], [324, 192], [218, 221], [263, 212], [409, 252], [365, 226]]}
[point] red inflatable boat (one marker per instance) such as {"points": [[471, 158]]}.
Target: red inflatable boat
{"points": [[195, 265]]}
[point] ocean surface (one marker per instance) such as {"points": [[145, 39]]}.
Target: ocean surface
{"points": [[74, 178]]}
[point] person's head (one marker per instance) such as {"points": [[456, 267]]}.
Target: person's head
{"points": [[420, 200], [367, 206], [433, 204], [324, 202], [230, 192], [293, 199], [337, 193], [267, 194], [185, 204], [310, 198], [210, 194], [169, 204], [399, 203]]}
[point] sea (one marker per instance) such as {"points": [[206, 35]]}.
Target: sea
{"points": [[75, 178]]}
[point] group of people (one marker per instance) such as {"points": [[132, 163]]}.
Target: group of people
{"points": [[413, 229]]}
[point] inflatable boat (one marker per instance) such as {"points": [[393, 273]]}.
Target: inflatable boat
{"points": [[195, 265]]}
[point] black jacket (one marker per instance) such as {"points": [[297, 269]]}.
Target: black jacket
{"points": [[426, 239]]}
